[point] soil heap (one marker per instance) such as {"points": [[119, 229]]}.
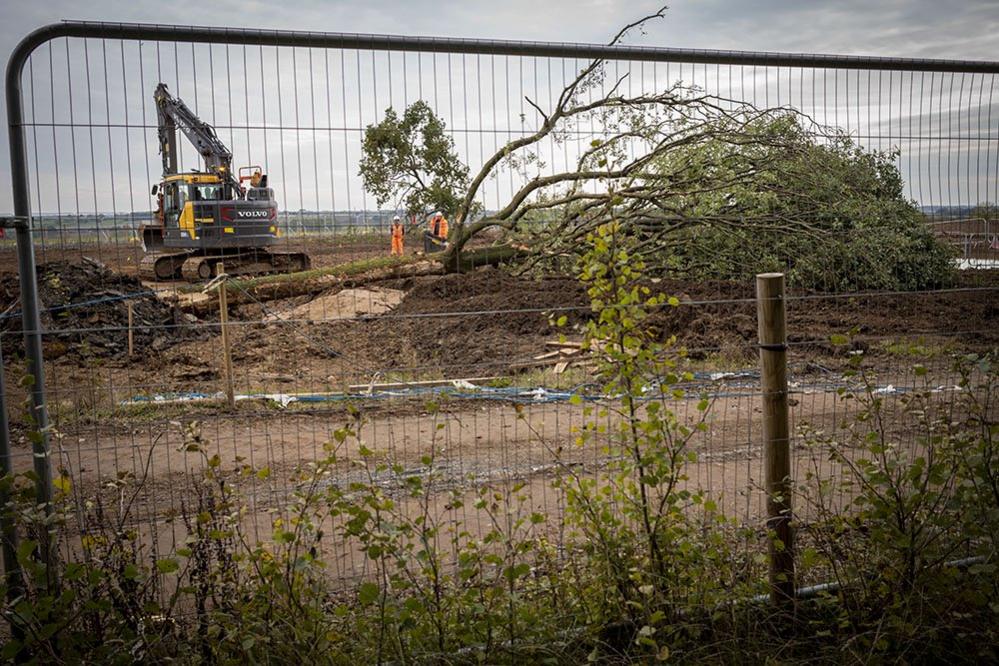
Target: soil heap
{"points": [[85, 311]]}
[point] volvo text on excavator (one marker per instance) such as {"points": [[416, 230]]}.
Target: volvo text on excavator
{"points": [[207, 217]]}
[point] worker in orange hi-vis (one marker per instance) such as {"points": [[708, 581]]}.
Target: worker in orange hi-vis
{"points": [[440, 226], [398, 232], [435, 238]]}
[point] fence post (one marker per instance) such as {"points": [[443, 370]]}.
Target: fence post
{"points": [[230, 387], [771, 321], [131, 330], [31, 323]]}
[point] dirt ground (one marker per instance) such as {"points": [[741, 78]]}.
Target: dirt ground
{"points": [[457, 326], [124, 256], [476, 446], [420, 329]]}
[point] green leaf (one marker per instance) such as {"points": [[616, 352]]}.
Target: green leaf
{"points": [[167, 566], [838, 339], [25, 549], [368, 593], [10, 649], [516, 571]]}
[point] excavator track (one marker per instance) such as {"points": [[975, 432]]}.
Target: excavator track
{"points": [[160, 266], [289, 262], [200, 268]]}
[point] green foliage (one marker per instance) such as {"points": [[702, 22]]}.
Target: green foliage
{"points": [[913, 508], [411, 162], [838, 218], [654, 544]]}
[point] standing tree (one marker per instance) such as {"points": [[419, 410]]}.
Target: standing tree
{"points": [[410, 162]]}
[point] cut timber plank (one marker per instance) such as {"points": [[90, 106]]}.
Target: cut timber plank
{"points": [[567, 343], [524, 365], [426, 382], [551, 354], [560, 367]]}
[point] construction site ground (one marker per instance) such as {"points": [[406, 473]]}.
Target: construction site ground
{"points": [[385, 349]]}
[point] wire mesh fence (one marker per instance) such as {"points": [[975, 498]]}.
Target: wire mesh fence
{"points": [[463, 381]]}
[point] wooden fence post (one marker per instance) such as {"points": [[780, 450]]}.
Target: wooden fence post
{"points": [[131, 331], [230, 385], [771, 321]]}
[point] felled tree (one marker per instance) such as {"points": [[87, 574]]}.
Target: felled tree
{"points": [[677, 162], [854, 227], [654, 154], [411, 163]]}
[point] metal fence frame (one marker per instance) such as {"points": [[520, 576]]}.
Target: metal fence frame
{"points": [[31, 323]]}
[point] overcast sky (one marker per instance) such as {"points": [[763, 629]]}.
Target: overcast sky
{"points": [[923, 28], [918, 28]]}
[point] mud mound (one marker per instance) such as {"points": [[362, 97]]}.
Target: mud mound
{"points": [[490, 318], [344, 304], [485, 317], [498, 318], [478, 324], [85, 311]]}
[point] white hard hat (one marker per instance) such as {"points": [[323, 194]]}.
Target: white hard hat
{"points": [[438, 214], [395, 219]]}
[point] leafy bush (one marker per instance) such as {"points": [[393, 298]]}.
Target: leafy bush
{"points": [[653, 546], [914, 551]]}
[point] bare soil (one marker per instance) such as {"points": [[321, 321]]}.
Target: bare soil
{"points": [[85, 307], [124, 256], [452, 326], [475, 324]]}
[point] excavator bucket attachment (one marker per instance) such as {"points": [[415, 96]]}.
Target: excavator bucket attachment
{"points": [[152, 239]]}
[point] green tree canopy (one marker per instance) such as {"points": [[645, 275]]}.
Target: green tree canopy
{"points": [[853, 227], [702, 186], [411, 163]]}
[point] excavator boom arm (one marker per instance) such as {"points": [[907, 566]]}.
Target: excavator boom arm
{"points": [[173, 114]]}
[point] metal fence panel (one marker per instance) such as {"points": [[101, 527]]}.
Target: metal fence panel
{"points": [[83, 136]]}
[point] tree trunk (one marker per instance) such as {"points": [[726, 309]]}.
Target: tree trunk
{"points": [[309, 285], [492, 255], [313, 283]]}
